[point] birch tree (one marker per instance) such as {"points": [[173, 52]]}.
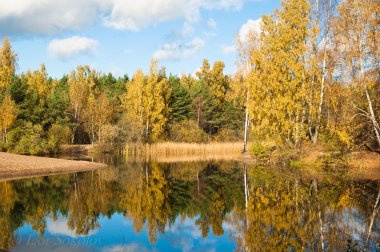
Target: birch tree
{"points": [[277, 77], [357, 34], [79, 83], [8, 115]]}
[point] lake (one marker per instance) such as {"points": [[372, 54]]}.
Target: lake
{"points": [[191, 206]]}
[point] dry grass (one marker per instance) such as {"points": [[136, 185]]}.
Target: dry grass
{"points": [[169, 152]]}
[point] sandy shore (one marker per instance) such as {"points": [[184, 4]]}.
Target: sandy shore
{"points": [[14, 166]]}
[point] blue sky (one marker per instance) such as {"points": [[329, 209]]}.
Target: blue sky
{"points": [[121, 36], [116, 234]]}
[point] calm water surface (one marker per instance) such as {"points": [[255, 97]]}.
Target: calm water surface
{"points": [[197, 206]]}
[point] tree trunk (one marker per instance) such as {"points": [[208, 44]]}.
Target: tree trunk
{"points": [[321, 98], [322, 94], [100, 133], [373, 118], [246, 131], [92, 131], [370, 106], [198, 114], [74, 129], [147, 128], [5, 135]]}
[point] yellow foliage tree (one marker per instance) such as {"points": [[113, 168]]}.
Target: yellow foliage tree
{"points": [[277, 80], [38, 81], [156, 100], [80, 83], [147, 102], [8, 114], [7, 64], [356, 32]]}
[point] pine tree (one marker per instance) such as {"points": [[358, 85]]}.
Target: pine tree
{"points": [[180, 102]]}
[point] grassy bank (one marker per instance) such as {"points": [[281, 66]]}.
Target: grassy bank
{"points": [[315, 156]]}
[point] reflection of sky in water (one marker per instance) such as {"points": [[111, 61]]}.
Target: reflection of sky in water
{"points": [[117, 235]]}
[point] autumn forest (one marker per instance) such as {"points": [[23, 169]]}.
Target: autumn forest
{"points": [[310, 76]]}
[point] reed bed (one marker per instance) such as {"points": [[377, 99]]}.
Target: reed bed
{"points": [[170, 152]]}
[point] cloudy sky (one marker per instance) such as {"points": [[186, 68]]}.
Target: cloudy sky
{"points": [[120, 36]]}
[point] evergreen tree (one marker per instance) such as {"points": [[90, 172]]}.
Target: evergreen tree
{"points": [[180, 102]]}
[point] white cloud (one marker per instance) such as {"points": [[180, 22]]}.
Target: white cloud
{"points": [[187, 30], [132, 247], [249, 27], [246, 30], [210, 34], [39, 17], [178, 50], [60, 227], [128, 51], [65, 48], [212, 23], [44, 16], [227, 49]]}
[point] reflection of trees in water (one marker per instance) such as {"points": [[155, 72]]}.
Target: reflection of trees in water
{"points": [[268, 208], [153, 196], [289, 213]]}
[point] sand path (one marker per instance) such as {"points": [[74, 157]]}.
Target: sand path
{"points": [[14, 166]]}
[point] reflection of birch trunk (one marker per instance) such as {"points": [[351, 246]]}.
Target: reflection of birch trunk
{"points": [[198, 182], [245, 187], [75, 187], [374, 213], [314, 186], [92, 178], [246, 193], [146, 175], [100, 182], [296, 185]]}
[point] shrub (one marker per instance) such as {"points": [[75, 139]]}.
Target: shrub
{"points": [[187, 131], [228, 135], [336, 140], [31, 139], [28, 139], [57, 135], [131, 129], [110, 133]]}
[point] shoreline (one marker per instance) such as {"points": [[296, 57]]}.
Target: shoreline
{"points": [[14, 166]]}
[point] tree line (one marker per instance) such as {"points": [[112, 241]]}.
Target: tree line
{"points": [[311, 75], [39, 113]]}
